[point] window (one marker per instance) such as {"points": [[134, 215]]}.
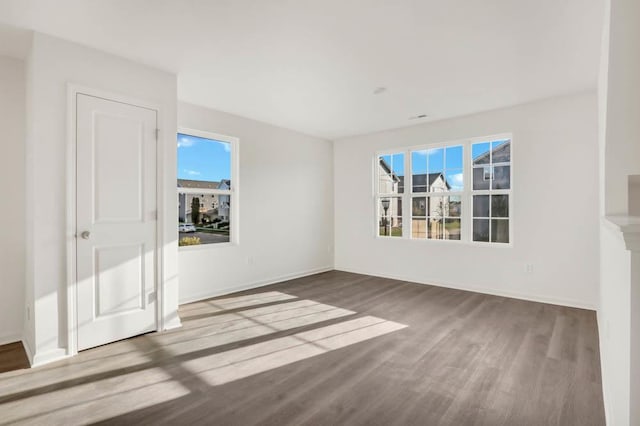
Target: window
{"points": [[436, 187], [390, 176], [206, 177], [455, 191], [491, 194]]}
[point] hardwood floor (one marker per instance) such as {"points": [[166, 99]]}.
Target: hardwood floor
{"points": [[13, 357], [333, 348]]}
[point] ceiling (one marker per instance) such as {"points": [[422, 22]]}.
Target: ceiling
{"points": [[313, 65]]}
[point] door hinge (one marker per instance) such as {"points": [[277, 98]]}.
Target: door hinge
{"points": [[151, 297], [157, 134]]}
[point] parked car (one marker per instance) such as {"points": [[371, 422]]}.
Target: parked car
{"points": [[186, 227]]}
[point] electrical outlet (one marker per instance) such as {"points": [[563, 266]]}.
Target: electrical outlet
{"points": [[250, 260], [528, 268]]}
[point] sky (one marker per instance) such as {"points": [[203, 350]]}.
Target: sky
{"points": [[203, 159], [447, 160]]}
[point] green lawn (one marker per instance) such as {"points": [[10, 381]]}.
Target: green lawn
{"points": [[396, 231]]}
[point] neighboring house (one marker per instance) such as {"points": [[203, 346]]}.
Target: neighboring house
{"points": [[212, 206], [389, 183], [485, 168], [224, 200]]}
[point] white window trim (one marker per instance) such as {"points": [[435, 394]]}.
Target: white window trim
{"points": [[234, 192], [466, 236]]}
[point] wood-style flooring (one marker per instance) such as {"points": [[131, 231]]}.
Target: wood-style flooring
{"points": [[331, 349]]}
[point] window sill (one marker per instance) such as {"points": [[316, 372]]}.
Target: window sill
{"points": [[452, 242]]}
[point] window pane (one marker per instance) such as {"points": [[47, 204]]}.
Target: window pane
{"points": [[435, 160], [419, 206], [501, 177], [203, 160], [480, 180], [396, 227], [385, 176], [398, 207], [452, 229], [203, 220], [435, 229], [438, 206], [501, 151], [397, 161], [454, 157], [480, 206], [499, 206], [391, 174], [419, 170], [455, 180], [480, 153], [455, 206], [499, 230], [419, 228], [390, 219], [481, 230]]}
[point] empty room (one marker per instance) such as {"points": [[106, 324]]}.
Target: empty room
{"points": [[320, 212]]}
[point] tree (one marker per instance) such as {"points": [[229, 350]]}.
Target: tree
{"points": [[195, 210]]}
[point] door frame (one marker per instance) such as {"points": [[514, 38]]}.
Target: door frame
{"points": [[73, 91]]}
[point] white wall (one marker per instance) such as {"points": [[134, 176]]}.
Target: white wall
{"points": [[12, 215], [285, 205], [555, 216], [622, 126], [618, 318], [53, 63], [614, 322]]}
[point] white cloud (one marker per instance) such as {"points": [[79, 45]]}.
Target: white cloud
{"points": [[192, 172], [226, 146], [436, 152], [456, 180], [185, 142]]}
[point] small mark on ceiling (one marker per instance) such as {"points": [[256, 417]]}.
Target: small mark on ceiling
{"points": [[419, 116]]}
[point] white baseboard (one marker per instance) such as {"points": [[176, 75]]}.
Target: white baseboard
{"points": [[252, 285], [46, 357], [10, 338], [485, 290], [174, 323]]}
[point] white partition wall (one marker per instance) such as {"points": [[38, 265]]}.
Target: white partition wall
{"points": [[12, 215], [53, 65]]}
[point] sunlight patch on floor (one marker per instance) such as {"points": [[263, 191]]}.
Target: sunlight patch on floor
{"points": [[225, 367]]}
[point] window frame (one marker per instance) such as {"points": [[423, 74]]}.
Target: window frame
{"points": [[233, 192], [466, 195]]}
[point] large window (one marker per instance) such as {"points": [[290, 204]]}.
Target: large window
{"points": [[206, 188], [455, 191]]}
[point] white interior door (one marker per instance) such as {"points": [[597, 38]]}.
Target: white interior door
{"points": [[115, 220]]}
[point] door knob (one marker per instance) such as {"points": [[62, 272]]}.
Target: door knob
{"points": [[85, 235]]}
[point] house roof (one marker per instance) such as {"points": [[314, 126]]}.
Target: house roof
{"points": [[501, 154], [421, 179], [387, 169], [201, 184]]}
